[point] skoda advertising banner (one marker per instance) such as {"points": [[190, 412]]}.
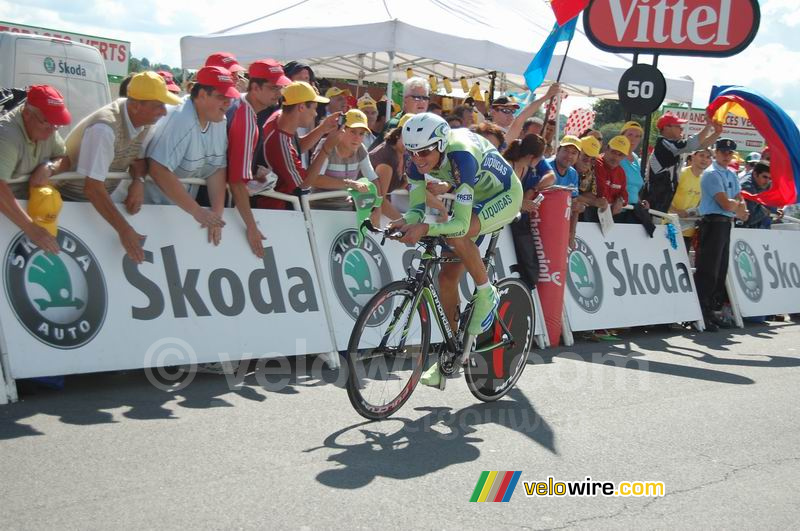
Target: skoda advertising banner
{"points": [[628, 279], [89, 308], [764, 270], [353, 273]]}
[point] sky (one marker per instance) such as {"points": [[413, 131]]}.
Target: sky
{"points": [[771, 64]]}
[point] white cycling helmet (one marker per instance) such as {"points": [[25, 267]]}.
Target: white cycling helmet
{"points": [[425, 130]]}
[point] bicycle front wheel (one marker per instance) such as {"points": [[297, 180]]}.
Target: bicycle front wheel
{"points": [[387, 350], [492, 373]]}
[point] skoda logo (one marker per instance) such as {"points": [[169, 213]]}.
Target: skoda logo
{"points": [[59, 298], [584, 280], [748, 272], [49, 65], [358, 272]]}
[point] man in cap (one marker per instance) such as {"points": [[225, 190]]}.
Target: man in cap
{"points": [[750, 162], [590, 150], [30, 144], [191, 142], [610, 176], [299, 109], [228, 61], [687, 194], [263, 90], [369, 107], [338, 100], [169, 79], [568, 150], [665, 162], [720, 201], [112, 139], [502, 112], [759, 181]]}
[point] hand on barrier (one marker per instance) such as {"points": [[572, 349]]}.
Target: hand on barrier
{"points": [[207, 218], [132, 243], [214, 235], [254, 239], [135, 198], [42, 239]]}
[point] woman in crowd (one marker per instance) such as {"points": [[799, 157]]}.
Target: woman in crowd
{"points": [[490, 132], [632, 164]]}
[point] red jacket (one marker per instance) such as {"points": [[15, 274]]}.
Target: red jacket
{"points": [[611, 183]]}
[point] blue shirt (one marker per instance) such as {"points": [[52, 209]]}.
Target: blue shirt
{"points": [[714, 180], [534, 175], [633, 178], [570, 178]]}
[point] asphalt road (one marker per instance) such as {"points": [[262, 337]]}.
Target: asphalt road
{"points": [[713, 416]]}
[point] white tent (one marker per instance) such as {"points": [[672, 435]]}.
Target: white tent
{"points": [[363, 40]]}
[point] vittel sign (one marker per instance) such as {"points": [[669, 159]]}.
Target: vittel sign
{"points": [[672, 27]]}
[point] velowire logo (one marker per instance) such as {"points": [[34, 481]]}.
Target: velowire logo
{"points": [[59, 299], [748, 272], [585, 280]]}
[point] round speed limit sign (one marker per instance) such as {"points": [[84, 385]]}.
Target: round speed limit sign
{"points": [[642, 89]]}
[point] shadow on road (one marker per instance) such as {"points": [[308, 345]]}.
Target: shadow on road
{"points": [[400, 448]]}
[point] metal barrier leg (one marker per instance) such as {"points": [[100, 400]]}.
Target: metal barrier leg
{"points": [[737, 312], [566, 330], [540, 330], [8, 388]]}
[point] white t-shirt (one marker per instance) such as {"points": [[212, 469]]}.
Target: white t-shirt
{"points": [[181, 146]]}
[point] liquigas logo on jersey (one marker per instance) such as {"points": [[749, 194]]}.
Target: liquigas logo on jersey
{"points": [[61, 298], [358, 272]]}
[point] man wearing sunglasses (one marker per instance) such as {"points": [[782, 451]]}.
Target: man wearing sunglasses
{"points": [[488, 197], [416, 96], [759, 181], [502, 112]]}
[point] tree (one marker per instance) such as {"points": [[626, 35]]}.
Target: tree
{"points": [[607, 112]]}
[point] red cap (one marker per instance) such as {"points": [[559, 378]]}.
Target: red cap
{"points": [[268, 69], [669, 119], [225, 60], [220, 79], [170, 81], [50, 102]]}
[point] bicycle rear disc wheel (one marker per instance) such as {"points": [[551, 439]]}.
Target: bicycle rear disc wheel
{"points": [[492, 374], [387, 350]]}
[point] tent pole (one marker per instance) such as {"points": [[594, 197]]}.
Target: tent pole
{"points": [[389, 88]]}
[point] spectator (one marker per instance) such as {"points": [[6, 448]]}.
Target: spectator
{"points": [[548, 135], [525, 157], [191, 142], [502, 113], [765, 154], [665, 162], [30, 144], [169, 79], [388, 161], [228, 62], [123, 86], [720, 201], [610, 176], [112, 139], [490, 132], [299, 109], [338, 100], [416, 96], [266, 78], [465, 114], [632, 164], [750, 162], [532, 126], [369, 107], [299, 72], [435, 108], [599, 136], [687, 195], [759, 215], [454, 121], [515, 130], [340, 160], [590, 150], [563, 163]]}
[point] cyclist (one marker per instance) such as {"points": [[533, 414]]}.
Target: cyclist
{"points": [[488, 197]]}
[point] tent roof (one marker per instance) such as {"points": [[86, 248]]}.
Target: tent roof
{"points": [[446, 38]]}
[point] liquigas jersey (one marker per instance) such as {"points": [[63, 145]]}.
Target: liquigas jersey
{"points": [[485, 183]]}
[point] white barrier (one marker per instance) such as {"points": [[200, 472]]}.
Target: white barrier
{"points": [[628, 279], [90, 309], [764, 272]]}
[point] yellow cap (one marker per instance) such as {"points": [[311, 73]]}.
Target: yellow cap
{"points": [[404, 119], [590, 145], [621, 144], [631, 125], [336, 91], [570, 140], [301, 92], [355, 118], [149, 86], [43, 207], [367, 101]]}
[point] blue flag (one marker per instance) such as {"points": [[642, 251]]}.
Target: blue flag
{"points": [[537, 70]]}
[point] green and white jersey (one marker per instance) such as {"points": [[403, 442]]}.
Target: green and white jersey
{"points": [[477, 170]]}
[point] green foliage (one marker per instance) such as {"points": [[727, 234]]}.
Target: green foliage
{"points": [[140, 65], [608, 112]]}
